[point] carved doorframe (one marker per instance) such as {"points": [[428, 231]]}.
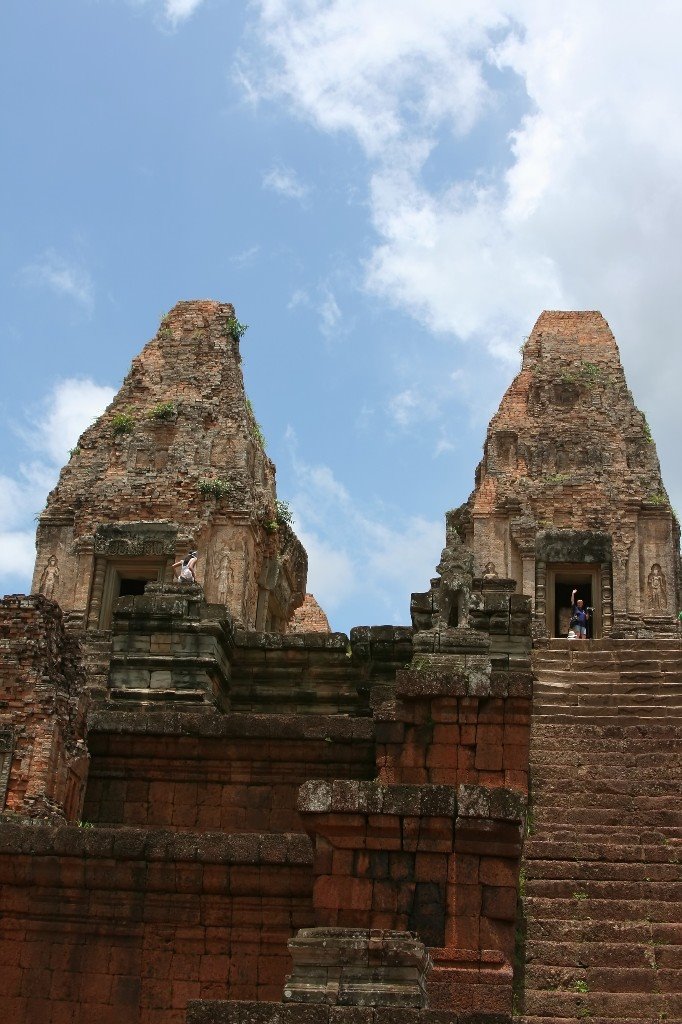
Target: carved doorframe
{"points": [[576, 573]]}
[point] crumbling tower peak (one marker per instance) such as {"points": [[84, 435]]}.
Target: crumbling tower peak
{"points": [[568, 335], [177, 461], [569, 491]]}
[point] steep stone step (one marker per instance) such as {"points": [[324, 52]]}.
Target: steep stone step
{"points": [[623, 795], [575, 931], [598, 870], [577, 816], [659, 845], [585, 905], [639, 955], [606, 889], [525, 1018], [653, 1006], [577, 979], [631, 716]]}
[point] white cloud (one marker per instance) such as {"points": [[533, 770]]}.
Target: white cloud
{"points": [[323, 302], [52, 427], [179, 10], [356, 66], [71, 406], [17, 555], [62, 276], [173, 12], [330, 314], [285, 182], [245, 258], [299, 298], [583, 205]]}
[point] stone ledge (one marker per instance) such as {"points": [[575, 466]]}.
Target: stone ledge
{"points": [[205, 1011], [320, 796], [497, 804], [460, 640], [248, 638], [155, 844], [209, 723]]}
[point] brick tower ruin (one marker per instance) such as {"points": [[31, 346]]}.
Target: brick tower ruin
{"points": [[214, 810], [569, 491], [177, 461]]}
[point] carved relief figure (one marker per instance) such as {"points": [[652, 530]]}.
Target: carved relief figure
{"points": [[50, 577], [656, 588], [489, 571], [223, 574]]}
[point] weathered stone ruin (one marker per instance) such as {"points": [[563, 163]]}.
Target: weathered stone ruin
{"points": [[217, 811], [569, 491], [176, 462]]}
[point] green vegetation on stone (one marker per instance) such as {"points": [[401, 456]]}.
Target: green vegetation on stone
{"points": [[235, 328], [256, 429], [162, 411], [122, 423], [284, 516], [215, 488]]}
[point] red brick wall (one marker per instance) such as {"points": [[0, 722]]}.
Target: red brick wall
{"points": [[455, 739], [244, 779], [42, 703], [115, 926]]}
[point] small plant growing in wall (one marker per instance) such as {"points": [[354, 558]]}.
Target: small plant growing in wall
{"points": [[646, 428], [283, 513], [590, 374], [658, 498], [163, 411], [74, 451], [256, 430], [235, 328], [558, 478], [122, 423], [215, 488]]}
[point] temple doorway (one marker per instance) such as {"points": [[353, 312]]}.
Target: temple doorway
{"points": [[561, 579], [126, 577]]}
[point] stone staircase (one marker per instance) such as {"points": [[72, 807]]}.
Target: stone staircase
{"points": [[601, 928]]}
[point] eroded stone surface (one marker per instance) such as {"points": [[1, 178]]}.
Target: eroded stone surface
{"points": [[309, 618], [570, 477], [177, 461]]}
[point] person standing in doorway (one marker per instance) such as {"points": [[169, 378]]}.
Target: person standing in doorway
{"points": [[579, 617]]}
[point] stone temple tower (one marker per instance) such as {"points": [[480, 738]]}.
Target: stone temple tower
{"points": [[177, 461], [569, 490]]}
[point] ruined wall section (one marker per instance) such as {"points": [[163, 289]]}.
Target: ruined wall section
{"points": [[309, 618], [43, 756], [177, 451], [570, 474]]}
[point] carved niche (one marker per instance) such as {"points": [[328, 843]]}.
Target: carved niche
{"points": [[49, 578], [657, 589]]}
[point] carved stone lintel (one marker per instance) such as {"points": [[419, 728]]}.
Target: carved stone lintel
{"points": [[136, 540]]}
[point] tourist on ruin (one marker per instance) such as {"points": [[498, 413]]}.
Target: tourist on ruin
{"points": [[188, 565], [579, 617]]}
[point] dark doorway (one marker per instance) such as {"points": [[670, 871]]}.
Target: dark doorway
{"points": [[131, 586], [562, 604]]}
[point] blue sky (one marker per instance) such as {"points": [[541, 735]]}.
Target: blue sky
{"points": [[389, 193]]}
